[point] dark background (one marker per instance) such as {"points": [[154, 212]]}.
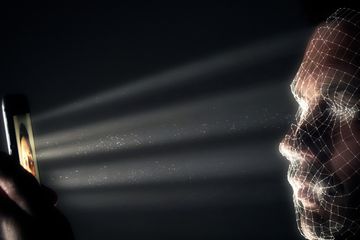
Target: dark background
{"points": [[162, 120]]}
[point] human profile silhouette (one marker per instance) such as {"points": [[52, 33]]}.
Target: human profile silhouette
{"points": [[323, 145]]}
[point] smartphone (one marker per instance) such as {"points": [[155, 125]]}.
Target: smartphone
{"points": [[18, 132]]}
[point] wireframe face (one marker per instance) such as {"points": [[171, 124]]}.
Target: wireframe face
{"points": [[323, 145]]}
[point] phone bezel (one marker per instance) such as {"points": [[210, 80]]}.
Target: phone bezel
{"points": [[13, 105]]}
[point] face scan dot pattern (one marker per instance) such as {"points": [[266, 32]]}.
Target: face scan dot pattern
{"points": [[323, 145]]}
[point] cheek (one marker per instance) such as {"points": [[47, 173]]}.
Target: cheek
{"points": [[345, 161]]}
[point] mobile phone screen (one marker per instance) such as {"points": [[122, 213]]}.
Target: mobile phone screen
{"points": [[25, 143]]}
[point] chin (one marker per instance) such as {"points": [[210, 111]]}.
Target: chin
{"points": [[317, 224], [313, 231]]}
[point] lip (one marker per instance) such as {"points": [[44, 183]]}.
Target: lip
{"points": [[308, 197], [308, 156], [305, 181]]}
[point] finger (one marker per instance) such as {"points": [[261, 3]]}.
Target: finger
{"points": [[9, 210], [15, 222], [20, 186]]}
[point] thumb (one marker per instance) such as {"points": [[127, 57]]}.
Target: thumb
{"points": [[14, 221], [8, 208]]}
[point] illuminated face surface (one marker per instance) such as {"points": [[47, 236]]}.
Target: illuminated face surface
{"points": [[27, 160], [323, 145]]}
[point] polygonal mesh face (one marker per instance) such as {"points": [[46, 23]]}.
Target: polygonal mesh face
{"points": [[323, 146]]}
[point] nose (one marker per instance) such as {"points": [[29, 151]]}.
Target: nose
{"points": [[292, 147], [309, 137]]}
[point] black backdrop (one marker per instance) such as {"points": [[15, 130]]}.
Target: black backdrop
{"points": [[158, 120]]}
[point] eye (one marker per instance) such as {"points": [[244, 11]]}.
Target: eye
{"points": [[343, 110], [343, 98]]}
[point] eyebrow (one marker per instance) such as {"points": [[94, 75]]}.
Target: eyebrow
{"points": [[339, 87], [351, 92], [330, 90], [295, 93]]}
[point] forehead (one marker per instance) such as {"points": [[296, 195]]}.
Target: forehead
{"points": [[331, 59]]}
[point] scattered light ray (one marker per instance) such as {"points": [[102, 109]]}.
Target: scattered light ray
{"points": [[205, 196], [240, 58], [157, 127], [182, 167], [146, 119]]}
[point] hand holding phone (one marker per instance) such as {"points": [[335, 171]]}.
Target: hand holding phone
{"points": [[18, 131], [27, 208]]}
